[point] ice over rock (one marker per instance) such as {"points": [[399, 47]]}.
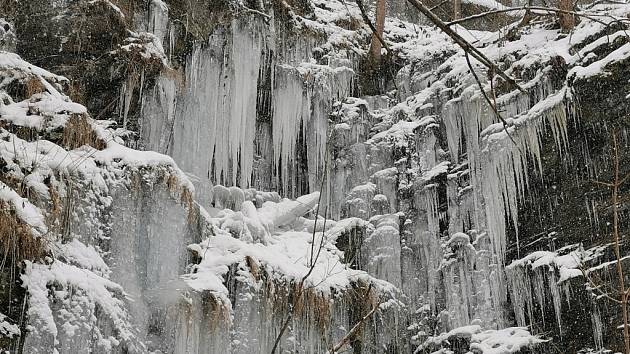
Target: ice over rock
{"points": [[202, 242]]}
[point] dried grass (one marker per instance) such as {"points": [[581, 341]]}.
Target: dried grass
{"points": [[16, 184], [56, 211], [33, 85], [78, 132], [253, 266], [219, 313], [307, 303], [185, 196], [77, 92], [16, 238]]}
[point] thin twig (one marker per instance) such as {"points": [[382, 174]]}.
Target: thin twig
{"points": [[616, 238], [312, 261], [440, 4], [366, 19], [494, 108], [535, 8], [464, 44], [354, 330], [603, 183]]}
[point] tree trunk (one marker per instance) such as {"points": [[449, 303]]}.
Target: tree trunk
{"points": [[616, 241], [567, 21], [457, 9], [375, 47]]}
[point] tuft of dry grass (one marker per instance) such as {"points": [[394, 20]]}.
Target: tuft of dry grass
{"points": [[55, 200], [253, 266], [278, 295], [16, 240], [77, 92], [33, 85], [79, 132], [185, 196], [220, 312], [16, 184]]}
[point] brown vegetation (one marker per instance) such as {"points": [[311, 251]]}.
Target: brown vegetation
{"points": [[16, 238], [79, 132]]}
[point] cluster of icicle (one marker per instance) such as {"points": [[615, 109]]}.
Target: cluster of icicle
{"points": [[207, 120], [497, 157]]}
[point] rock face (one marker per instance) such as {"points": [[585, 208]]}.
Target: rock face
{"points": [[144, 193]]}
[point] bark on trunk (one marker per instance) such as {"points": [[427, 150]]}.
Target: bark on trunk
{"points": [[457, 9], [375, 47], [567, 21]]}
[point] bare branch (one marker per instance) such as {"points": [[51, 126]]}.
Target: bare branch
{"points": [[257, 12], [465, 45], [493, 106], [312, 261], [597, 288], [440, 4], [354, 330], [366, 19], [548, 10], [616, 239], [603, 183]]}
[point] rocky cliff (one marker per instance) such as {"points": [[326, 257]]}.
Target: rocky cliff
{"points": [[239, 177]]}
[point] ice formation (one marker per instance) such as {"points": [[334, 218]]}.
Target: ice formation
{"points": [[219, 93], [267, 199]]}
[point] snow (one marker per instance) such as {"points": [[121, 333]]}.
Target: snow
{"points": [[397, 132], [25, 211], [541, 274], [599, 67], [8, 329], [19, 69], [344, 226], [147, 45], [489, 4], [84, 256], [286, 257], [37, 278], [138, 264], [567, 265], [504, 341], [439, 169], [42, 112]]}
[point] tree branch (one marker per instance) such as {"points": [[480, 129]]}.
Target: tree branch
{"points": [[440, 4], [354, 330], [312, 261], [465, 45], [535, 8], [493, 106]]}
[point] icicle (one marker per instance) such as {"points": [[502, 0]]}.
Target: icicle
{"points": [[382, 248], [539, 292], [598, 326], [521, 294], [126, 95], [158, 111], [431, 200], [556, 297], [158, 19], [501, 170], [288, 110], [246, 54], [211, 121]]}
